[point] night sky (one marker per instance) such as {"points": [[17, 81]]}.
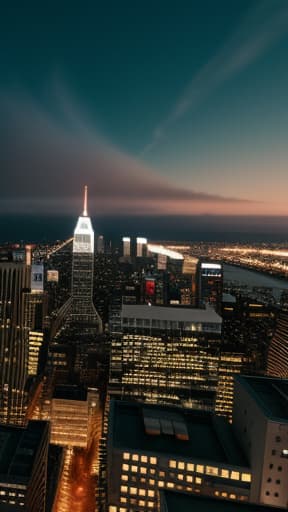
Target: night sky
{"points": [[160, 107]]}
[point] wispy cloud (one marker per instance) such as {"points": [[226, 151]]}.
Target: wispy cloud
{"points": [[264, 25], [46, 159]]}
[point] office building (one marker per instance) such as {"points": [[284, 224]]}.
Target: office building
{"points": [[260, 421], [100, 245], [141, 247], [231, 363], [176, 501], [71, 414], [166, 355], [126, 240], [277, 359], [14, 335], [23, 465], [210, 283], [154, 448], [83, 309]]}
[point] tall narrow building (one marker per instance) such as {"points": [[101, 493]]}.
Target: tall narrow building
{"points": [[83, 310], [14, 279]]}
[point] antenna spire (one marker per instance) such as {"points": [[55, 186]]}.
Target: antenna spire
{"points": [[85, 214]]}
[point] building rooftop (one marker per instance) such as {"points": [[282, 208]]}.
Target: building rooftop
{"points": [[227, 297], [270, 393], [194, 434], [18, 449], [177, 314], [70, 392], [191, 503]]}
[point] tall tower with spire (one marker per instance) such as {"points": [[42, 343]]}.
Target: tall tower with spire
{"points": [[83, 310]]}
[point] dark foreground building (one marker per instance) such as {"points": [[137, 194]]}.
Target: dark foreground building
{"points": [[23, 465]]}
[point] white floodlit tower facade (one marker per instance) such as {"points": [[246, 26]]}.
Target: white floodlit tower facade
{"points": [[83, 309]]}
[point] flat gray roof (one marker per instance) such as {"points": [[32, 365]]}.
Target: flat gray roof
{"points": [[170, 313], [192, 503], [270, 393], [227, 297], [211, 438]]}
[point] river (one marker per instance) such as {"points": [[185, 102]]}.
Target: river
{"points": [[252, 279]]}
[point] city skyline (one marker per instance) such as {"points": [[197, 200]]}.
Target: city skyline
{"points": [[160, 110]]}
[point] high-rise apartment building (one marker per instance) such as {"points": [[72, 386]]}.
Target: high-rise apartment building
{"points": [[166, 355]]}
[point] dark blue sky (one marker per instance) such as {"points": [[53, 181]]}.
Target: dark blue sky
{"points": [[161, 107]]}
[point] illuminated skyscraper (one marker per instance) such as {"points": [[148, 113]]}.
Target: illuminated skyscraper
{"points": [[83, 310], [126, 246], [14, 279]]}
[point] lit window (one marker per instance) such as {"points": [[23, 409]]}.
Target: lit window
{"points": [[141, 503], [246, 477], [150, 504], [224, 494], [190, 467], [134, 469], [200, 468], [189, 478], [216, 493], [126, 456], [124, 477], [112, 508], [160, 483], [198, 480], [144, 458], [232, 496], [172, 464], [124, 488], [135, 457], [151, 482], [284, 453], [143, 471], [142, 492], [151, 493], [125, 467], [170, 485], [235, 475], [225, 473], [123, 500], [152, 471], [133, 490], [161, 473], [181, 465], [210, 470], [153, 460], [180, 476]]}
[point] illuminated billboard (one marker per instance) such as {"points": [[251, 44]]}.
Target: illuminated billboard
{"points": [[150, 287], [52, 276], [37, 273]]}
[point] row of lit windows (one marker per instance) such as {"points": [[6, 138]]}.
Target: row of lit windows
{"points": [[139, 458], [134, 491], [211, 470]]}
